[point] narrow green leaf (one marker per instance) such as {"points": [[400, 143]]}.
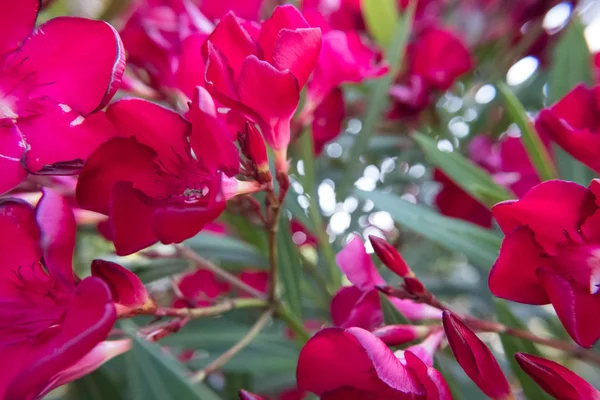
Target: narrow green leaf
{"points": [[290, 267], [381, 18], [227, 249], [158, 269], [155, 374], [377, 98], [468, 175], [391, 315], [536, 151], [571, 65], [513, 345], [480, 245], [95, 386]]}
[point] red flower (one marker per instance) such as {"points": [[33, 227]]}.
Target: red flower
{"points": [[281, 56], [301, 235], [359, 305], [476, 359], [200, 289], [247, 9], [51, 323], [167, 180], [550, 253], [327, 119], [555, 379], [163, 39], [47, 123], [340, 364], [345, 15], [259, 280], [574, 124]]}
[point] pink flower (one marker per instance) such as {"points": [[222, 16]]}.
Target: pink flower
{"points": [[52, 324], [550, 252], [168, 179], [259, 280], [199, 289], [574, 124], [163, 39], [241, 62], [359, 305], [555, 379], [48, 125], [476, 359], [327, 119], [339, 364], [345, 15], [247, 9]]}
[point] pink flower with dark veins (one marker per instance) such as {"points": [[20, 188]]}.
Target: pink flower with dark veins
{"points": [[53, 79]]}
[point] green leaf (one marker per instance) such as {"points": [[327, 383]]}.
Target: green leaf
{"points": [[480, 245], [155, 374], [391, 315], [95, 386], [289, 266], [571, 65], [158, 269], [513, 345], [469, 176], [227, 250], [381, 18], [377, 98], [536, 151]]}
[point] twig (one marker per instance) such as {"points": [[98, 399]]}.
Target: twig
{"points": [[293, 323], [243, 342], [211, 311], [191, 255]]}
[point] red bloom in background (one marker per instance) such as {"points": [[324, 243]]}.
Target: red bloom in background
{"points": [[436, 59], [344, 15], [200, 289], [476, 359], [167, 180], [339, 364], [574, 123], [301, 235], [51, 323], [359, 305], [327, 119], [241, 62], [247, 9], [47, 123], [550, 254], [555, 379], [163, 38]]}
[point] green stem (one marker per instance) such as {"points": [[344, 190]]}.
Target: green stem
{"points": [[293, 323], [211, 311]]}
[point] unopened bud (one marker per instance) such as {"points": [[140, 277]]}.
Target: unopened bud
{"points": [[253, 147], [390, 257], [396, 335]]}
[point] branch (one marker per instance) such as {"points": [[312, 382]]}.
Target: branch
{"points": [[211, 311]]}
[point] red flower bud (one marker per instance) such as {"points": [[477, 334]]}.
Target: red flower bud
{"points": [[395, 335], [555, 379], [476, 359], [390, 257], [253, 147]]}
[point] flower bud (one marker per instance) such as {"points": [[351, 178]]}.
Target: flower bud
{"points": [[390, 257], [555, 379], [476, 359], [396, 335], [253, 147]]}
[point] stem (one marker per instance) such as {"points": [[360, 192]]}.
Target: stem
{"points": [[243, 342], [293, 323], [211, 311], [197, 259]]}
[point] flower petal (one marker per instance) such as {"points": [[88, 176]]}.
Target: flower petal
{"points": [[357, 265], [17, 20], [513, 275], [327, 119], [88, 320], [352, 307], [11, 151], [190, 72], [436, 386], [283, 17], [297, 51], [576, 307], [67, 54], [57, 224], [245, 395]]}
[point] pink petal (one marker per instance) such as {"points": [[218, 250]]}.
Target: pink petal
{"points": [[57, 224], [297, 51], [247, 9], [190, 72], [327, 119], [244, 395], [210, 137], [17, 20], [233, 42], [576, 307], [67, 54], [201, 286], [414, 311], [59, 140], [334, 358], [556, 380], [130, 219], [275, 106], [88, 320], [389, 256], [475, 358], [128, 291], [352, 307], [219, 78], [11, 151], [357, 265], [552, 210], [259, 280], [159, 128], [434, 383], [513, 276], [396, 335], [283, 17], [117, 160]]}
